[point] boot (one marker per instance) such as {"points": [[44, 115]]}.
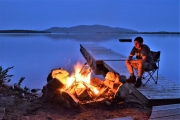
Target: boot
{"points": [[131, 79], [138, 83]]}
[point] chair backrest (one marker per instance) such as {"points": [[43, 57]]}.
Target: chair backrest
{"points": [[156, 55]]}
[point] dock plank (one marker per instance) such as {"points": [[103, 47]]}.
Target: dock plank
{"points": [[165, 112], [100, 53], [117, 66], [166, 107]]}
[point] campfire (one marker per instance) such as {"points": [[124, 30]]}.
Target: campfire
{"points": [[80, 87]]}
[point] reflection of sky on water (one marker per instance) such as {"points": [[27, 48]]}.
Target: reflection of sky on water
{"points": [[34, 56], [75, 36]]}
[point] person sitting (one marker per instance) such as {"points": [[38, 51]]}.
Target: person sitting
{"points": [[144, 60]]}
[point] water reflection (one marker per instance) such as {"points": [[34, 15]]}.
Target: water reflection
{"points": [[75, 36]]}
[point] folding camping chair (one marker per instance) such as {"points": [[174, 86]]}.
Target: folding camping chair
{"points": [[148, 74]]}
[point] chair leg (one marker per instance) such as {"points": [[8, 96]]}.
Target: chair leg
{"points": [[157, 77], [151, 77], [147, 80]]}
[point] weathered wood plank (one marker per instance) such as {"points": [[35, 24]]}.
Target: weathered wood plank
{"points": [[159, 97], [165, 112], [166, 107], [174, 117], [100, 53], [117, 66]]}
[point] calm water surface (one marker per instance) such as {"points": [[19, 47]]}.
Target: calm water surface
{"points": [[34, 55]]}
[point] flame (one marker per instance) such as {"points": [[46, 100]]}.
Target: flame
{"points": [[85, 77]]}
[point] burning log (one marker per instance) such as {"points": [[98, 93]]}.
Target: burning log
{"points": [[114, 77], [96, 82], [82, 93], [101, 92], [70, 98]]}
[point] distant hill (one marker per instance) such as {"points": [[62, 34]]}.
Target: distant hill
{"points": [[89, 29]]}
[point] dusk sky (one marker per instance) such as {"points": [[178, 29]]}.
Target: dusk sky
{"points": [[139, 15]]}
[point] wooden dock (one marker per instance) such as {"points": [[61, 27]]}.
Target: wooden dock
{"points": [[103, 59]]}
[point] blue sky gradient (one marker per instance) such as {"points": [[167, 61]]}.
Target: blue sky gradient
{"points": [[140, 15]]}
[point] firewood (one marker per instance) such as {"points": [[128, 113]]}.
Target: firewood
{"points": [[82, 93], [109, 83], [96, 82], [85, 72], [72, 100], [112, 76], [101, 92], [82, 68], [90, 92]]}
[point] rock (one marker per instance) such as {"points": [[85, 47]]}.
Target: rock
{"points": [[107, 102], [122, 92], [35, 90], [55, 84], [122, 78]]}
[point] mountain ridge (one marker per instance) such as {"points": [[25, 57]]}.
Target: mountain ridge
{"points": [[89, 29]]}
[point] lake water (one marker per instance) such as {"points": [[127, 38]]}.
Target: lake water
{"points": [[35, 55]]}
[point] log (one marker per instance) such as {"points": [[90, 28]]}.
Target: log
{"points": [[70, 98], [109, 83], [96, 82], [82, 93], [112, 77]]}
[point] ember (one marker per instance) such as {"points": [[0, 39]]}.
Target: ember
{"points": [[70, 90]]}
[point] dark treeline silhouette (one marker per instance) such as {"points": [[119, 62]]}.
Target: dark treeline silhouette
{"points": [[22, 31], [163, 32]]}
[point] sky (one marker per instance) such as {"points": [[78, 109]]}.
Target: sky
{"points": [[139, 15]]}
